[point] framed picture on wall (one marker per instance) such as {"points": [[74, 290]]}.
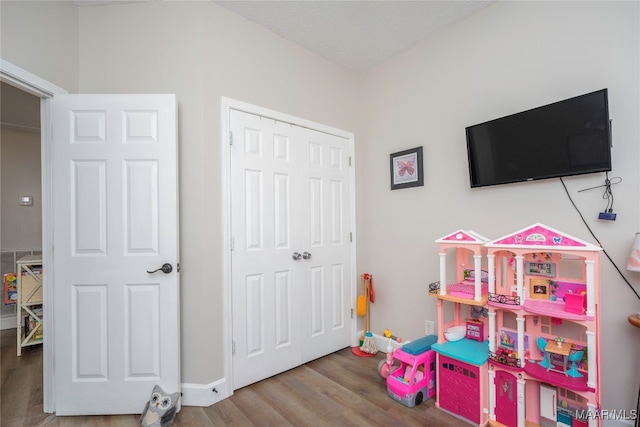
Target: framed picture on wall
{"points": [[406, 169], [539, 288], [541, 268]]}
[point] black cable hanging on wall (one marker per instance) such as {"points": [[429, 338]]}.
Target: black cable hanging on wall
{"points": [[608, 194], [607, 213]]}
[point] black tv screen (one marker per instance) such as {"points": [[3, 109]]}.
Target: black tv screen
{"points": [[569, 137]]}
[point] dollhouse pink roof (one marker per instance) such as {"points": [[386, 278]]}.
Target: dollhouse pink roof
{"points": [[542, 237], [463, 236]]}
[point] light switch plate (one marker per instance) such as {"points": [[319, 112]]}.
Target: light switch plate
{"points": [[26, 200]]}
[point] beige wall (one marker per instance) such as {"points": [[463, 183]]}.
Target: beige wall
{"points": [[42, 38], [507, 58], [20, 176], [202, 52], [20, 226]]}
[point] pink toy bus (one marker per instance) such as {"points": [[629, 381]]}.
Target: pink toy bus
{"points": [[415, 380]]}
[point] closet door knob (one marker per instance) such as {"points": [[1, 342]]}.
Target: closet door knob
{"points": [[296, 256], [306, 255]]}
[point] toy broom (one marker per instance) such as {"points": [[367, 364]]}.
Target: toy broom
{"points": [[369, 344]]}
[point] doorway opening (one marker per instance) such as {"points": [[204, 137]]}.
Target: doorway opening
{"points": [[27, 82], [21, 189]]}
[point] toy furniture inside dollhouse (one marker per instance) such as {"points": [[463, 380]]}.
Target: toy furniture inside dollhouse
{"points": [[551, 282], [532, 298]]}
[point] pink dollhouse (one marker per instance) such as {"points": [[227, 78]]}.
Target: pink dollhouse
{"points": [[461, 373], [539, 332]]}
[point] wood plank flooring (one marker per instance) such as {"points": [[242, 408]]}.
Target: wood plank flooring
{"points": [[337, 390]]}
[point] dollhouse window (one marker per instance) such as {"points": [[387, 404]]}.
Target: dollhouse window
{"points": [[507, 388], [545, 325], [569, 330], [509, 320], [506, 273], [571, 267], [571, 396]]}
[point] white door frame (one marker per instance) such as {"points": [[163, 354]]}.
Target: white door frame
{"points": [[228, 104], [24, 80]]}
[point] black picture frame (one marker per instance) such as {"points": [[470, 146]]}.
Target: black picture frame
{"points": [[406, 168]]}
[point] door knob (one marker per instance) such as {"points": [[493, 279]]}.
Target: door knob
{"points": [[306, 255], [166, 269], [296, 256]]}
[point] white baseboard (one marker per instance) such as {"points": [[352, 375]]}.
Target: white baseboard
{"points": [[617, 423], [8, 322], [204, 394]]}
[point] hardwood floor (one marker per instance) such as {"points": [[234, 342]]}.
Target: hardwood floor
{"points": [[337, 390]]}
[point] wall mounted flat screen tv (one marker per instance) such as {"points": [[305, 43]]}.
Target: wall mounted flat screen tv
{"points": [[570, 137]]}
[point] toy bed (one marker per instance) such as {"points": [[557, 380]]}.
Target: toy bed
{"points": [[467, 288]]}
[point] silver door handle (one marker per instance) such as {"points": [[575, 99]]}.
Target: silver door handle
{"points": [[166, 269], [306, 255], [296, 256]]}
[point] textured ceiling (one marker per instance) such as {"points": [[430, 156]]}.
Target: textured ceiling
{"points": [[355, 34]]}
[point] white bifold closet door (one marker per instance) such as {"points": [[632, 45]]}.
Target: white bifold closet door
{"points": [[291, 255]]}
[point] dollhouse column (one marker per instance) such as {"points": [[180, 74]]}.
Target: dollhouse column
{"points": [[520, 321], [519, 277], [492, 394], [491, 264], [592, 379], [441, 328], [492, 331], [443, 273], [591, 301], [592, 410], [477, 266], [521, 399]]}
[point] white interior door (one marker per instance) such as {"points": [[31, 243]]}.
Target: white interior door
{"points": [[115, 216], [291, 256]]}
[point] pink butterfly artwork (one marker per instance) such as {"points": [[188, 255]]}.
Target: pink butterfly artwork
{"points": [[406, 167]]}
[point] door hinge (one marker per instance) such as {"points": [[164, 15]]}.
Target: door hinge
{"points": [[351, 236], [232, 243], [230, 138], [178, 267], [352, 313], [349, 161], [233, 348]]}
